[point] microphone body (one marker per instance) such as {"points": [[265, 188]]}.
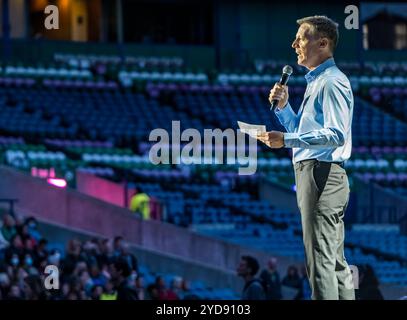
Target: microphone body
{"points": [[287, 71]]}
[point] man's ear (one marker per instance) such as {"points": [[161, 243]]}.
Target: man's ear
{"points": [[323, 43]]}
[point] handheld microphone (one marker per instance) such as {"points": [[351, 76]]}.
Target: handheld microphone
{"points": [[287, 71]]}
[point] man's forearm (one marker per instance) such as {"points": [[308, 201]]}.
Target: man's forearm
{"points": [[287, 117], [317, 139]]}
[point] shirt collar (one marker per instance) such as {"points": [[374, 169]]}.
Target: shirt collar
{"points": [[311, 75]]}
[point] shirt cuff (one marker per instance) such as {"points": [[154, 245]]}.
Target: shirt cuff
{"points": [[291, 140], [286, 114]]}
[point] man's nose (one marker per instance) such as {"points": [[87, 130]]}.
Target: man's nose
{"points": [[294, 44]]}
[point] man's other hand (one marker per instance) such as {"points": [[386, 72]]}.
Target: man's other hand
{"points": [[273, 139]]}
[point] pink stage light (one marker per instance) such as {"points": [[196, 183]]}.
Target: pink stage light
{"points": [[60, 183]]}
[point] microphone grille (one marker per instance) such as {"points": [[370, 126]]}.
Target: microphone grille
{"points": [[288, 70]]}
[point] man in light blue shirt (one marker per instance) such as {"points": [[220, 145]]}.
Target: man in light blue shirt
{"points": [[321, 138], [322, 128]]}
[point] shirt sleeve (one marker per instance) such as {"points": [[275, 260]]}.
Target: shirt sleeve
{"points": [[287, 117], [336, 100]]}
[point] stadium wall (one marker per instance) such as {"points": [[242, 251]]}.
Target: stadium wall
{"points": [[243, 31], [40, 50]]}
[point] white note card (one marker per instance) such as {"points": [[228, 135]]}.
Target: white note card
{"points": [[251, 129]]}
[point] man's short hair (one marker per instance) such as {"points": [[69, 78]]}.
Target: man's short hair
{"points": [[324, 27], [252, 263]]}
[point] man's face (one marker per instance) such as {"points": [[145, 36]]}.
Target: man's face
{"points": [[306, 46], [242, 269]]}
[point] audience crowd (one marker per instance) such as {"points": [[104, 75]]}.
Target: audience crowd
{"points": [[96, 269], [106, 269]]}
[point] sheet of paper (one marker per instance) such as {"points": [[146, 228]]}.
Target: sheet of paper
{"points": [[251, 129]]}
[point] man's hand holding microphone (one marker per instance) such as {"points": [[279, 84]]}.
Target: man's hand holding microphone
{"points": [[278, 98], [280, 93]]}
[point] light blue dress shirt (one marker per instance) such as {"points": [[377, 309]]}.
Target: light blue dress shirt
{"points": [[322, 128]]}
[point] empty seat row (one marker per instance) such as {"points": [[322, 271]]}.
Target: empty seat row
{"points": [[48, 72]]}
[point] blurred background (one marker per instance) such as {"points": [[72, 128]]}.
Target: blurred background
{"points": [[78, 190]]}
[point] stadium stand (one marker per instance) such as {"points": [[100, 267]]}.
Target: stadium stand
{"points": [[101, 128]]}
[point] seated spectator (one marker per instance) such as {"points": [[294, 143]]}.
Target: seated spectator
{"points": [[97, 277], [14, 261], [32, 226], [89, 252], [28, 264], [65, 289], [29, 246], [176, 287], [271, 278], [4, 284], [117, 246], [186, 291], [3, 245], [16, 248], [40, 251], [86, 281], [305, 290], [79, 268], [292, 278], [131, 259], [105, 272], [15, 293], [79, 283], [152, 291], [21, 275], [140, 287], [140, 204], [33, 288], [120, 271], [42, 265], [54, 258], [253, 288], [105, 255], [8, 228], [96, 292], [73, 255], [109, 293], [131, 279], [163, 292], [25, 236], [19, 224]]}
